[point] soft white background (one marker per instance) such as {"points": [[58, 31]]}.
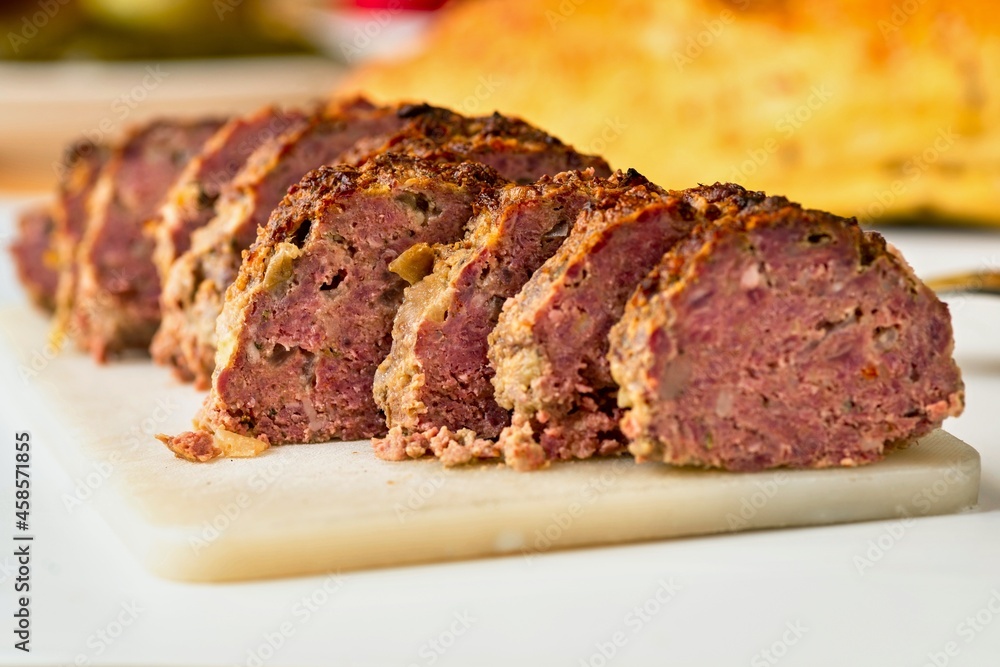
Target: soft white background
{"points": [[737, 595]]}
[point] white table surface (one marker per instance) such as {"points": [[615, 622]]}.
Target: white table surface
{"points": [[926, 591]]}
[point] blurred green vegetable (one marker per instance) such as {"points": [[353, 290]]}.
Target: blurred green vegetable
{"points": [[127, 29]]}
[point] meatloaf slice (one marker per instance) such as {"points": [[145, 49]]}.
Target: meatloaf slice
{"points": [[195, 287], [435, 386], [309, 317], [785, 337], [116, 305], [190, 204], [35, 257]]}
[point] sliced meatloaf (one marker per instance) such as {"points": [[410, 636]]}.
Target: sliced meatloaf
{"points": [[116, 302], [195, 290], [309, 317], [549, 347], [435, 386], [80, 168], [195, 287], [190, 204], [35, 257], [783, 337]]}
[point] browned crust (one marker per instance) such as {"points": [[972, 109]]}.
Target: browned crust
{"points": [[323, 186], [480, 138]]}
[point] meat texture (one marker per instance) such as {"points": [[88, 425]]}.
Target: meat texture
{"points": [[196, 283], [782, 337], [351, 133], [190, 204], [34, 255], [116, 301], [435, 386], [550, 344], [310, 315]]}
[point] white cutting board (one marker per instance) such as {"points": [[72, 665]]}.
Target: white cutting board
{"points": [[314, 508]]}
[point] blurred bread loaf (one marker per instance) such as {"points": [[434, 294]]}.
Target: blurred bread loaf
{"points": [[878, 109]]}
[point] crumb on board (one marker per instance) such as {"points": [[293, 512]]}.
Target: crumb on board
{"points": [[202, 446]]}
